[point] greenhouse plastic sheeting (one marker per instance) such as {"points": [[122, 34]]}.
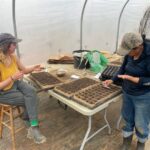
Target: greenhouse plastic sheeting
{"points": [[52, 27]]}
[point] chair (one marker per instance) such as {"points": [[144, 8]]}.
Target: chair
{"points": [[7, 111]]}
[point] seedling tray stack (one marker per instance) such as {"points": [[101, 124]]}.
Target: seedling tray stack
{"points": [[109, 72]]}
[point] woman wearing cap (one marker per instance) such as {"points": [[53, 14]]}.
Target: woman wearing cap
{"points": [[13, 90], [135, 74]]}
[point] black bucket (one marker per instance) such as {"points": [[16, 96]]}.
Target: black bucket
{"points": [[77, 59]]}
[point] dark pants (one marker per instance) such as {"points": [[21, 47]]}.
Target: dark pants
{"points": [[136, 114], [22, 94]]}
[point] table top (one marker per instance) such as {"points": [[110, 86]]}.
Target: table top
{"points": [[82, 109], [52, 69]]}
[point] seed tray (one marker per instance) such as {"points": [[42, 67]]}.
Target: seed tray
{"points": [[96, 95], [44, 79], [70, 88], [109, 72]]}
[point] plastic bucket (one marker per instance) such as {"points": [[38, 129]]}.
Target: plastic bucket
{"points": [[78, 61]]}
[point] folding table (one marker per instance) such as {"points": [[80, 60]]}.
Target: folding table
{"points": [[87, 112]]}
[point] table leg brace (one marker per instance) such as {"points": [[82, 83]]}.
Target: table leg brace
{"points": [[87, 137]]}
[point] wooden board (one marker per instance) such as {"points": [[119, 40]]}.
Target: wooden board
{"points": [[95, 95], [70, 88]]}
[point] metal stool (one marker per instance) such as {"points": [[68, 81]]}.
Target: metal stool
{"points": [[7, 110]]}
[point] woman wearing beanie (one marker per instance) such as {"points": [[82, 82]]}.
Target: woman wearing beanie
{"points": [[135, 76], [13, 90]]}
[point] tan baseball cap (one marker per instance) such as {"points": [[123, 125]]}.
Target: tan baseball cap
{"points": [[129, 41]]}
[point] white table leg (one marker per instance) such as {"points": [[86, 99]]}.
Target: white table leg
{"points": [[107, 123], [118, 122], [87, 132], [87, 137]]}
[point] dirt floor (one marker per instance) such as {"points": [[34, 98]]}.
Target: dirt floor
{"points": [[65, 129]]}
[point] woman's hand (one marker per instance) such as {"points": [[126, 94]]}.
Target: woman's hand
{"points": [[37, 68], [124, 77], [106, 83], [130, 78], [17, 76]]}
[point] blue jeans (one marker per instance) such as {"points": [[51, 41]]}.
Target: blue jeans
{"points": [[22, 94], [136, 114]]}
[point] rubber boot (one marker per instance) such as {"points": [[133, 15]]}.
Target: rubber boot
{"points": [[127, 143], [140, 146]]}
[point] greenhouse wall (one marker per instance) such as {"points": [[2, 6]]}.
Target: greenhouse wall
{"points": [[52, 27]]}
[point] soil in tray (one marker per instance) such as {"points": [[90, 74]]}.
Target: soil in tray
{"points": [[45, 78], [95, 93], [72, 87]]}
